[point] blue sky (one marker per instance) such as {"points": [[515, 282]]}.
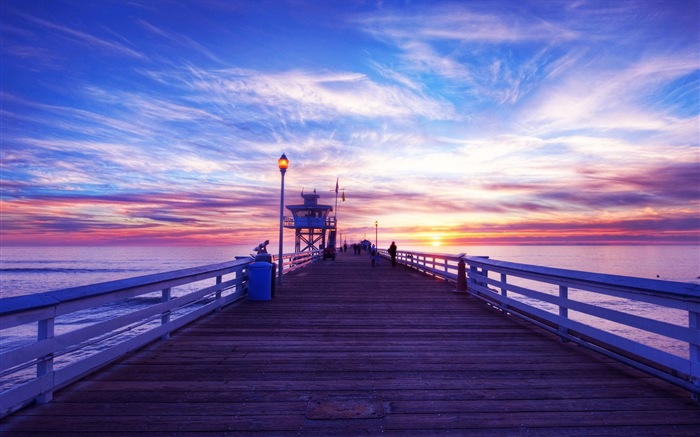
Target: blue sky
{"points": [[469, 122]]}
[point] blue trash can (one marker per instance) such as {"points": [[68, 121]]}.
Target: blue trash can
{"points": [[260, 281]]}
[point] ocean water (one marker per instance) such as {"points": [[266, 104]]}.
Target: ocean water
{"points": [[679, 263], [28, 270]]}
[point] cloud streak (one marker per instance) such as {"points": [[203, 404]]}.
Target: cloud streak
{"points": [[81, 38], [477, 121]]}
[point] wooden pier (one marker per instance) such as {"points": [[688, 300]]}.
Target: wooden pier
{"points": [[347, 349]]}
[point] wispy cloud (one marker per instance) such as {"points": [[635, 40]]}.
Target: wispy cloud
{"points": [[484, 121], [307, 96], [182, 41], [82, 38], [612, 99], [463, 23]]}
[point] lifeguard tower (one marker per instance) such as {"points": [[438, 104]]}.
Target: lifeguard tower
{"points": [[310, 222]]}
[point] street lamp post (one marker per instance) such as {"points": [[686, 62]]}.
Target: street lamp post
{"points": [[376, 240], [283, 163]]}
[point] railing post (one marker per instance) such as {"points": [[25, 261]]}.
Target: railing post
{"points": [[165, 316], [218, 293], [563, 310], [694, 324], [472, 278], [504, 291], [461, 275], [44, 367]]}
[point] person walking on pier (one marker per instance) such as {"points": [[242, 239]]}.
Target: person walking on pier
{"points": [[374, 256], [392, 252]]}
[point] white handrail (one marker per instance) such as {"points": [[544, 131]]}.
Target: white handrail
{"points": [[650, 324], [136, 311], [297, 260], [142, 309]]}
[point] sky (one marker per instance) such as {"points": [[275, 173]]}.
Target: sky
{"points": [[153, 122]]}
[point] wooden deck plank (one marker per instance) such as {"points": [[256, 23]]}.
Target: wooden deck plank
{"points": [[435, 361]]}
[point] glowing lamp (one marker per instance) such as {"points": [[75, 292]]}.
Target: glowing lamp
{"points": [[283, 162]]}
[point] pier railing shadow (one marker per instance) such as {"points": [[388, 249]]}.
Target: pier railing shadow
{"points": [[54, 338], [652, 325]]}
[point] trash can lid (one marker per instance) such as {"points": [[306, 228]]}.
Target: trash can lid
{"points": [[266, 257]]}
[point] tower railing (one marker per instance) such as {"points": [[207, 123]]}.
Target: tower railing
{"points": [[310, 222]]}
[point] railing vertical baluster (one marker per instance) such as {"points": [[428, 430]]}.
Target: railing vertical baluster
{"points": [[504, 290], [218, 293], [44, 367], [563, 307], [471, 280], [694, 324], [165, 317]]}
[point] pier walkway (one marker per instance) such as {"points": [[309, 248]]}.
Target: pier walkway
{"points": [[347, 349]]}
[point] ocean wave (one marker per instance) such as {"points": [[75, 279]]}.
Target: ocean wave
{"points": [[33, 261], [39, 270]]}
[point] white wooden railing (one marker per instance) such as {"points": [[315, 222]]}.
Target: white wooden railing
{"points": [[649, 324], [575, 305], [297, 260], [67, 334]]}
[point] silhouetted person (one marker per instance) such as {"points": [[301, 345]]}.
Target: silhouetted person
{"points": [[392, 252]]}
